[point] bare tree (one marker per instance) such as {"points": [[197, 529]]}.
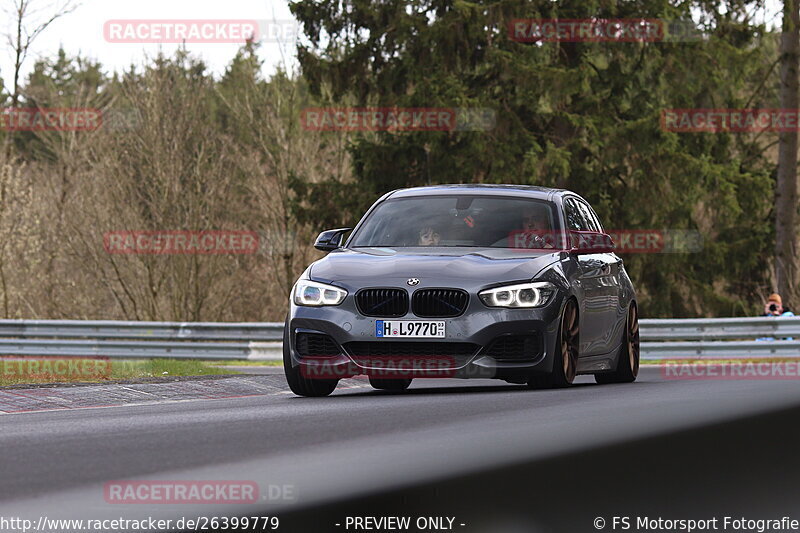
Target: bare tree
{"points": [[29, 22], [786, 187], [172, 171], [58, 197], [280, 151], [15, 198]]}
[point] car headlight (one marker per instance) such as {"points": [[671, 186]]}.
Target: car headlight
{"points": [[307, 292], [534, 294]]}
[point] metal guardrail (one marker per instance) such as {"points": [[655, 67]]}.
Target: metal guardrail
{"points": [[111, 338], [729, 338], [667, 329], [661, 338], [115, 329]]}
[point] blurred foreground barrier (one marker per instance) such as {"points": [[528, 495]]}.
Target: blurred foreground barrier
{"points": [[661, 338], [729, 338]]}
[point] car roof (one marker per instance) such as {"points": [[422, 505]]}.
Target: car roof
{"points": [[530, 191]]}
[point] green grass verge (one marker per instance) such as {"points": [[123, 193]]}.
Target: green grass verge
{"points": [[228, 362], [77, 370]]}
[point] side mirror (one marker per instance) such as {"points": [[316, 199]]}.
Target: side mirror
{"points": [[591, 242], [330, 239]]}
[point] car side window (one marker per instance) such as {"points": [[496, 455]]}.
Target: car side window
{"points": [[596, 219], [591, 220], [574, 218]]}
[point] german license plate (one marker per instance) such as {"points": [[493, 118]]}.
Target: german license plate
{"points": [[410, 329]]}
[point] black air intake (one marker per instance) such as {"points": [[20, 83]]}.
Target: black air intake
{"points": [[316, 345], [410, 349], [515, 348]]}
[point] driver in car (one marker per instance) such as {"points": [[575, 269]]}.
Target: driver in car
{"points": [[536, 230], [428, 237]]}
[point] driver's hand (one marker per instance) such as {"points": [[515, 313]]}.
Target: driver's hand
{"points": [[533, 241]]}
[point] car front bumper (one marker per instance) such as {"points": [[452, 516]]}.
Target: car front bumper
{"points": [[479, 344]]}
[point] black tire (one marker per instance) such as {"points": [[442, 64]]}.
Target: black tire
{"points": [[297, 383], [390, 384], [628, 358], [565, 361]]}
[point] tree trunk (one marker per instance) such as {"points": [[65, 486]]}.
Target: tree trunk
{"points": [[786, 187]]}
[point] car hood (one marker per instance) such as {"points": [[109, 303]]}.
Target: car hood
{"points": [[432, 266]]}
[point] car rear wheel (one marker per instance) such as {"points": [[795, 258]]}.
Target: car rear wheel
{"points": [[628, 359], [299, 384], [390, 384], [565, 363]]}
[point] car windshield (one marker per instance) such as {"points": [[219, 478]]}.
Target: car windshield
{"points": [[459, 221]]}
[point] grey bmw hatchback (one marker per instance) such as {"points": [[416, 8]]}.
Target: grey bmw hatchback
{"points": [[509, 282]]}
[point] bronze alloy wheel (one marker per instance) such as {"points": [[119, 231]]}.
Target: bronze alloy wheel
{"points": [[628, 359], [633, 340], [567, 348], [569, 341]]}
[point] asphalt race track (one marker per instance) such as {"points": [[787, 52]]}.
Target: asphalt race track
{"points": [[495, 457]]}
